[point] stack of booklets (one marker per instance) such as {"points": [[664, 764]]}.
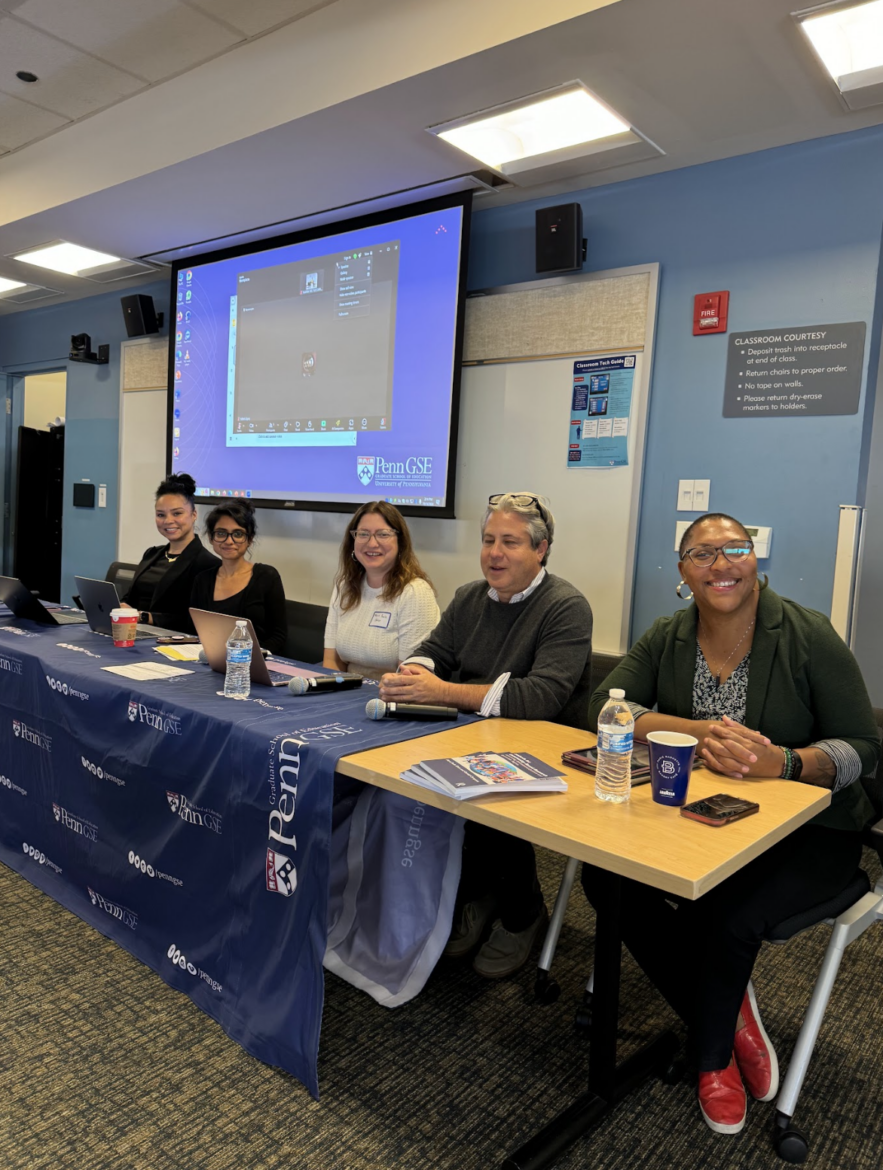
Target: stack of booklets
{"points": [[586, 759], [480, 772]]}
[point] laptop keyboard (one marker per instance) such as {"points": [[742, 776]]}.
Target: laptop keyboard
{"points": [[69, 619]]}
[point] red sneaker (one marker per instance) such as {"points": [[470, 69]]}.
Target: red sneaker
{"points": [[722, 1099], [754, 1053]]}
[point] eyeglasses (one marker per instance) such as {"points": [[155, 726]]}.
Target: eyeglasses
{"points": [[523, 500], [362, 535], [222, 535], [704, 555]]}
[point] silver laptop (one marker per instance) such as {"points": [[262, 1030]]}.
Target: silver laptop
{"points": [[215, 628], [98, 599], [23, 604]]}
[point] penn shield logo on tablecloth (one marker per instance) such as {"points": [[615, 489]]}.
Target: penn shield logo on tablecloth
{"points": [[154, 717], [365, 466], [281, 874], [10, 665], [21, 731], [121, 913], [205, 818], [82, 828]]}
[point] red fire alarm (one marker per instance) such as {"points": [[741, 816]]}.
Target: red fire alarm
{"points": [[710, 313]]}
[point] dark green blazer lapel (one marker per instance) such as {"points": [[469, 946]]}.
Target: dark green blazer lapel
{"points": [[685, 661], [763, 652]]}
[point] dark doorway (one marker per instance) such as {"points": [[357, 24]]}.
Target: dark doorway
{"points": [[38, 510]]}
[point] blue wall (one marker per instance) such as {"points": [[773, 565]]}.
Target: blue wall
{"points": [[794, 234], [40, 340]]}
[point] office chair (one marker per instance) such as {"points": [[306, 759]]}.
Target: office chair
{"points": [[546, 989], [306, 631], [120, 573], [849, 915]]}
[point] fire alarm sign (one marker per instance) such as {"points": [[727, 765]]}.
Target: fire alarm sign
{"points": [[710, 312]]}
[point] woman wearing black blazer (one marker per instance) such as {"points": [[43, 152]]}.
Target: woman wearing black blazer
{"points": [[163, 581]]}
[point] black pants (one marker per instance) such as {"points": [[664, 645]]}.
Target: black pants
{"points": [[495, 863], [700, 953]]}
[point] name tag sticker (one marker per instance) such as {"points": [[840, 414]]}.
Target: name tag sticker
{"points": [[380, 620]]}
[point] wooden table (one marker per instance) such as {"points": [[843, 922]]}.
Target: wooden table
{"points": [[651, 843]]}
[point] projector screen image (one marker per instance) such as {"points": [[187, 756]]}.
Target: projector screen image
{"points": [[322, 372]]}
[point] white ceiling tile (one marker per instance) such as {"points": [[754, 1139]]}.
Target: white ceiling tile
{"points": [[21, 122], [153, 40], [256, 16], [71, 83]]}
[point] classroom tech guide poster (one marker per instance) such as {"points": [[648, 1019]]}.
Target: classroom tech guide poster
{"points": [[600, 410]]}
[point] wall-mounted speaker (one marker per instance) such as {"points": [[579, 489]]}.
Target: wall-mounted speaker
{"points": [[140, 315], [559, 238]]}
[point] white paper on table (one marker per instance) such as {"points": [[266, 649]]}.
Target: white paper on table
{"points": [[146, 671], [188, 652]]}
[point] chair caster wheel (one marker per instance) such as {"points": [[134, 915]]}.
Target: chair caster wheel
{"points": [[583, 1018], [546, 990], [673, 1072], [791, 1145]]}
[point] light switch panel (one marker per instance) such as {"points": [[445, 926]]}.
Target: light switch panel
{"points": [[685, 495], [701, 492], [102, 495]]}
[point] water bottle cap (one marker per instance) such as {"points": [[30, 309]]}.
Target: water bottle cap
{"points": [[616, 693]]}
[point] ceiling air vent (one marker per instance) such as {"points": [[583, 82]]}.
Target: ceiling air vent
{"points": [[118, 270]]}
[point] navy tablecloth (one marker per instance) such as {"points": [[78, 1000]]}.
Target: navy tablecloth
{"points": [[194, 831]]}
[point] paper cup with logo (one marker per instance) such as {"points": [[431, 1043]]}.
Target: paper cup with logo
{"points": [[671, 762], [122, 625]]}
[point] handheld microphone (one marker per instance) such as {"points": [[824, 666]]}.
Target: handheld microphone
{"points": [[324, 682], [377, 709]]}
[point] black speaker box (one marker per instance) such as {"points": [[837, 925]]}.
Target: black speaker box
{"points": [[139, 315], [559, 238]]}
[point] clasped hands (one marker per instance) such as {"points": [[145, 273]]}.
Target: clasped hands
{"points": [[412, 684], [736, 751]]}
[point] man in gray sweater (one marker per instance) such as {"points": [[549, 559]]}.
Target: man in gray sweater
{"points": [[517, 644]]}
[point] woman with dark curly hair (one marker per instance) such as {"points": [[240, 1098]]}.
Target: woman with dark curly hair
{"points": [[238, 586], [383, 604], [163, 581]]}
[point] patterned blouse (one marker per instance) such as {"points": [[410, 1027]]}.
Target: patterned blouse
{"points": [[711, 701]]}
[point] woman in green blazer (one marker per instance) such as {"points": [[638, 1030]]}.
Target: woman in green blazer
{"points": [[769, 689]]}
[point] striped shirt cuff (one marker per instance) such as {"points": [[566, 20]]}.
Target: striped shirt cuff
{"points": [[637, 710], [416, 660], [491, 703], [846, 761]]}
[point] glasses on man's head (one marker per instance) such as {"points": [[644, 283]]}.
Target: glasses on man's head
{"points": [[522, 500], [222, 535], [704, 555], [362, 535]]}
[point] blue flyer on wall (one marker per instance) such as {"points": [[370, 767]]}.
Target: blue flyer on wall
{"points": [[599, 411]]}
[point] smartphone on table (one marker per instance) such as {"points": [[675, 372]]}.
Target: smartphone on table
{"points": [[720, 809]]}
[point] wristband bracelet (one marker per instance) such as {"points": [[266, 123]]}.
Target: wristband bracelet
{"points": [[798, 765], [787, 772]]}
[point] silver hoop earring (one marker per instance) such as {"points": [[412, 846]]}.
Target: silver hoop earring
{"points": [[353, 555], [678, 591]]}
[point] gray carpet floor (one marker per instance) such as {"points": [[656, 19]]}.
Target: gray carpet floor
{"points": [[104, 1067]]}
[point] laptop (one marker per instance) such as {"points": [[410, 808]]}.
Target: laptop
{"points": [[98, 598], [215, 628], [17, 596]]}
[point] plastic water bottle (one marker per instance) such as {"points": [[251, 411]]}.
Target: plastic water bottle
{"points": [[237, 681], [616, 728]]}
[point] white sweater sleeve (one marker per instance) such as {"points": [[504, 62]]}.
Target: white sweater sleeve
{"points": [[418, 616], [331, 621]]}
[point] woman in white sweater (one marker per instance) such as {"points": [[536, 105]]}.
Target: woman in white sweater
{"points": [[383, 604]]}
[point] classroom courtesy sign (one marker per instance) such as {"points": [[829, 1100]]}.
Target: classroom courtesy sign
{"points": [[600, 407]]}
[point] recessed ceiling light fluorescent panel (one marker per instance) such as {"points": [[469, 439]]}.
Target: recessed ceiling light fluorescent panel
{"points": [[564, 131], [61, 256], [847, 38]]}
